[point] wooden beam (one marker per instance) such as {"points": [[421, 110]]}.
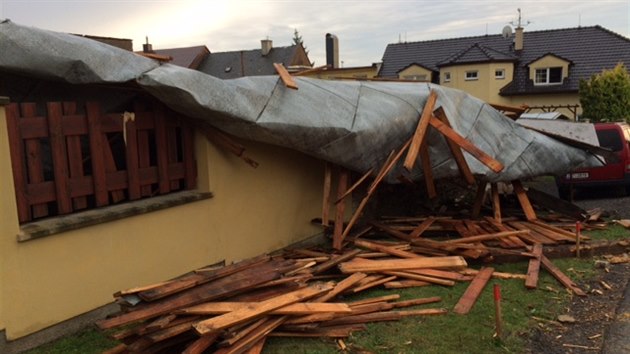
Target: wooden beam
{"points": [[301, 308], [465, 144], [326, 196], [417, 232], [496, 203], [533, 268], [242, 315], [385, 249], [421, 130], [387, 167], [334, 261], [420, 277], [560, 276], [402, 264], [479, 198], [286, 78], [342, 286], [373, 284], [468, 299], [521, 194], [456, 150], [253, 337], [342, 185], [355, 185], [486, 237], [427, 171]]}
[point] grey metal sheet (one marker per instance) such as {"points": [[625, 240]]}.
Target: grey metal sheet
{"points": [[350, 123]]}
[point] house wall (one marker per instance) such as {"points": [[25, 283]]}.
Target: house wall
{"points": [[367, 72], [51, 279], [486, 87], [415, 70]]}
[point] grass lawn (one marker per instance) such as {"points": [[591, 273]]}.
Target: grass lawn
{"points": [[451, 333]]}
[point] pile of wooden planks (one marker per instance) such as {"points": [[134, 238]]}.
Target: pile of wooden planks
{"points": [[233, 309], [301, 292]]}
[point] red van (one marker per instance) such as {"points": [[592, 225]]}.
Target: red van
{"points": [[616, 172]]}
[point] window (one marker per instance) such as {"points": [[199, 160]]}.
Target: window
{"points": [[472, 75], [447, 77], [548, 76], [499, 74]]}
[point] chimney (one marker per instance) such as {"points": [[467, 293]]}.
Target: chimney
{"points": [[518, 38], [265, 46], [147, 47], [332, 51]]}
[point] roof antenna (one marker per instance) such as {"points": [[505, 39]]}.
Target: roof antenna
{"points": [[519, 24], [579, 20]]}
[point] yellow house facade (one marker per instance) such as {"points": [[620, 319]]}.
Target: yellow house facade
{"points": [[235, 212]]}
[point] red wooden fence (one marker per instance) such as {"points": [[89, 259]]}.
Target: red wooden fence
{"points": [[64, 161]]}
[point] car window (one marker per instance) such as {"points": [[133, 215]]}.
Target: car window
{"points": [[610, 139]]}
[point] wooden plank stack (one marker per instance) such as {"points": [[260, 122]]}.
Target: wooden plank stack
{"points": [[302, 292]]}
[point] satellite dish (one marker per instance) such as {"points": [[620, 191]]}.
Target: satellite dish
{"points": [[506, 32]]}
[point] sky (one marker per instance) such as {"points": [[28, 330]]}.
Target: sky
{"points": [[363, 27]]}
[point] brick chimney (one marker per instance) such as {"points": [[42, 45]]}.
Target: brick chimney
{"points": [[518, 38], [332, 51], [265, 46], [147, 47]]}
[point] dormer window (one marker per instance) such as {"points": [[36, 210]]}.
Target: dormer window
{"points": [[548, 76]]}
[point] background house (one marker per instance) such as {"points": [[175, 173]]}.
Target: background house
{"points": [[537, 68]]}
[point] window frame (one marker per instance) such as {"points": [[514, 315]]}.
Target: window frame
{"points": [[469, 77], [499, 76], [447, 76], [547, 73]]}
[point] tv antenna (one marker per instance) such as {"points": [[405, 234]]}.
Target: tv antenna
{"points": [[519, 24]]}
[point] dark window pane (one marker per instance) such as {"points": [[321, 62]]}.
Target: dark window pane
{"points": [[609, 139], [555, 75]]}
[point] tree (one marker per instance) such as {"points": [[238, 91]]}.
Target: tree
{"points": [[605, 97], [297, 39]]}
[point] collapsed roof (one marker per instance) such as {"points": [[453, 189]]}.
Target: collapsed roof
{"points": [[352, 124]]}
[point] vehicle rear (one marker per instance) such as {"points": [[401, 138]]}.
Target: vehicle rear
{"points": [[616, 171]]}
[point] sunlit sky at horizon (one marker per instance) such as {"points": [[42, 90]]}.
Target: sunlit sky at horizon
{"points": [[364, 28]]}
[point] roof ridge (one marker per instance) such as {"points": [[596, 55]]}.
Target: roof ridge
{"points": [[254, 50], [499, 35]]}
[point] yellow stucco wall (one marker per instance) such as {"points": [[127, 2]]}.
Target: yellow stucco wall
{"points": [[486, 87], [364, 72], [8, 212], [415, 70], [47, 280]]}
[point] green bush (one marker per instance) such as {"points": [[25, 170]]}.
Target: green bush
{"points": [[605, 97]]}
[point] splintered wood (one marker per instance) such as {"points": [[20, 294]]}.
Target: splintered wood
{"points": [[305, 292]]}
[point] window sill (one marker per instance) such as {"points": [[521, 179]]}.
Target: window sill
{"points": [[56, 225]]}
